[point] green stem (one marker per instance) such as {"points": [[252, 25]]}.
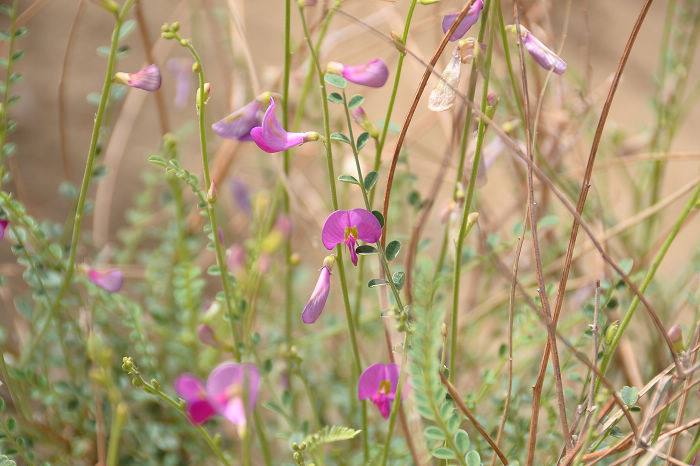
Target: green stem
{"points": [[395, 406], [464, 225], [262, 438], [91, 156], [627, 318], [8, 73], [334, 198], [211, 197], [115, 432]]}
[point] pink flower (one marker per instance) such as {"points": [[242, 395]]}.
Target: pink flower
{"points": [[271, 137], [374, 73], [469, 20], [238, 124], [378, 383], [235, 258], [542, 54], [108, 279], [3, 226], [318, 298], [182, 69], [348, 226], [147, 78], [223, 394]]}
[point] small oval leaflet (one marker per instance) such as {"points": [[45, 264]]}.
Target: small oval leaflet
{"points": [[335, 80]]}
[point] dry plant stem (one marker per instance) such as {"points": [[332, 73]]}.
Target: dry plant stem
{"points": [[541, 285], [150, 58], [62, 91], [91, 155], [559, 301], [357, 363], [475, 422], [211, 197], [412, 110]]}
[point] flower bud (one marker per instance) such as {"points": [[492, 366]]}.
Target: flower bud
{"points": [[675, 334]]}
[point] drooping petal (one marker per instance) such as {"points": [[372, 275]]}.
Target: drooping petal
{"points": [[374, 73], [3, 226], [147, 78], [442, 97], [317, 300], [189, 388], [333, 231], [109, 280], [199, 411], [181, 68], [542, 54], [469, 20], [368, 228], [226, 382], [272, 138], [239, 124]]}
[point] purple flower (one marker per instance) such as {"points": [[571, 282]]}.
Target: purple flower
{"points": [[318, 298], [469, 20], [542, 54], [223, 394], [374, 73], [147, 78], [241, 194], [361, 118], [378, 383], [348, 226], [108, 279], [238, 124], [235, 258], [3, 226], [271, 137], [182, 69]]}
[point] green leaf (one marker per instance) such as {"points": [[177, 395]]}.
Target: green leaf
{"points": [[376, 282], [398, 279], [335, 80], [348, 179], [629, 395], [462, 441], [158, 160], [366, 249], [362, 140], [127, 28], [392, 250], [21, 32], [433, 433], [340, 137], [355, 101], [379, 217], [330, 434], [472, 458], [443, 453], [335, 98], [371, 180]]}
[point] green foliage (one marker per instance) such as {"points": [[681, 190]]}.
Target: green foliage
{"points": [[329, 434]]}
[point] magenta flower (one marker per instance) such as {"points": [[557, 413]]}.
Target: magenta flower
{"points": [[469, 20], [271, 137], [223, 395], [108, 279], [348, 226], [378, 383], [318, 298], [235, 258], [542, 54], [147, 78], [374, 73], [361, 118], [238, 124], [181, 68], [3, 226]]}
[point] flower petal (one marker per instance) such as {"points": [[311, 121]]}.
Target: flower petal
{"points": [[469, 20], [181, 68], [235, 412], [238, 124], [147, 78], [189, 388], [374, 73], [542, 54], [317, 301], [199, 411], [442, 97], [370, 380], [368, 228], [271, 137], [110, 280], [333, 232], [228, 376], [3, 226]]}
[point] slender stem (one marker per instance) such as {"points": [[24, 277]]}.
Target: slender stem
{"points": [[466, 209], [211, 197], [115, 433], [91, 156], [262, 438], [658, 258], [339, 250], [395, 406]]}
